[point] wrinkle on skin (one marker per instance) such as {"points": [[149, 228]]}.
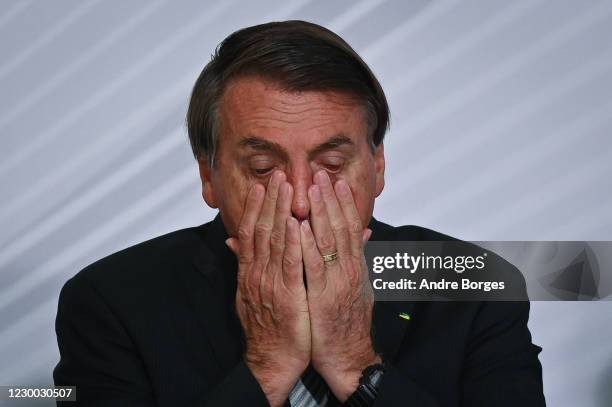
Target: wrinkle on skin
{"points": [[295, 122]]}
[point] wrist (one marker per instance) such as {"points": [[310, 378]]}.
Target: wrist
{"points": [[272, 362], [276, 379], [343, 383]]}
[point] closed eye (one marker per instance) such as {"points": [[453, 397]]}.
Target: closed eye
{"points": [[261, 165], [332, 163], [332, 167], [262, 171]]}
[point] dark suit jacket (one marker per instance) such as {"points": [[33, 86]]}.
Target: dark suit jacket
{"points": [[154, 325]]}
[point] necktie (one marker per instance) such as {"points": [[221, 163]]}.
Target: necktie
{"points": [[311, 391]]}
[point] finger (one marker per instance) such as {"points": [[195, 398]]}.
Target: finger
{"points": [[246, 228], [233, 245], [277, 240], [353, 220], [263, 227], [292, 259], [367, 234], [283, 211], [319, 222], [316, 278], [248, 277], [334, 213]]}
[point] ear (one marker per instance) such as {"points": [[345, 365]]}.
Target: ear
{"points": [[208, 191], [379, 167]]}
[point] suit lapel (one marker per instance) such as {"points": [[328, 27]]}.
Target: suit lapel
{"points": [[389, 328], [215, 308]]}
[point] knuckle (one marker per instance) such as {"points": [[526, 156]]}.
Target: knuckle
{"points": [[355, 226], [262, 230], [339, 227], [327, 242], [244, 233], [246, 258], [277, 239], [292, 240], [260, 262], [290, 261], [271, 196]]}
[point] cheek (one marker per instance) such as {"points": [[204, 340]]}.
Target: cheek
{"points": [[363, 202], [362, 185], [233, 198]]}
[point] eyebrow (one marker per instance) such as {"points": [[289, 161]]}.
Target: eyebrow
{"points": [[334, 142], [260, 144]]}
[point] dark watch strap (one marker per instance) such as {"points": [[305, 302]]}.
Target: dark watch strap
{"points": [[369, 383]]}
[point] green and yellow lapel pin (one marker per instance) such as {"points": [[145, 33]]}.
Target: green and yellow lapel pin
{"points": [[404, 315]]}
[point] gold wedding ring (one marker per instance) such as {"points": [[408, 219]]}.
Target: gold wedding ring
{"points": [[330, 257]]}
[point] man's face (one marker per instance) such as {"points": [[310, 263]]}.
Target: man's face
{"points": [[264, 128]]}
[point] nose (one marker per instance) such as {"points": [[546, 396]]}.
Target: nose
{"points": [[300, 179]]}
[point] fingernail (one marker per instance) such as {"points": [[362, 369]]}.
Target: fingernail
{"points": [[320, 177], [227, 242], [291, 221], [306, 225], [315, 193]]}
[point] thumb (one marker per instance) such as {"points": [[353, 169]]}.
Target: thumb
{"points": [[233, 245]]}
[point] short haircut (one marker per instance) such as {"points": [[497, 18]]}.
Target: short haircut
{"points": [[299, 56]]}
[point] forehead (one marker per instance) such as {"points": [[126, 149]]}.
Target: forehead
{"points": [[253, 106]]}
